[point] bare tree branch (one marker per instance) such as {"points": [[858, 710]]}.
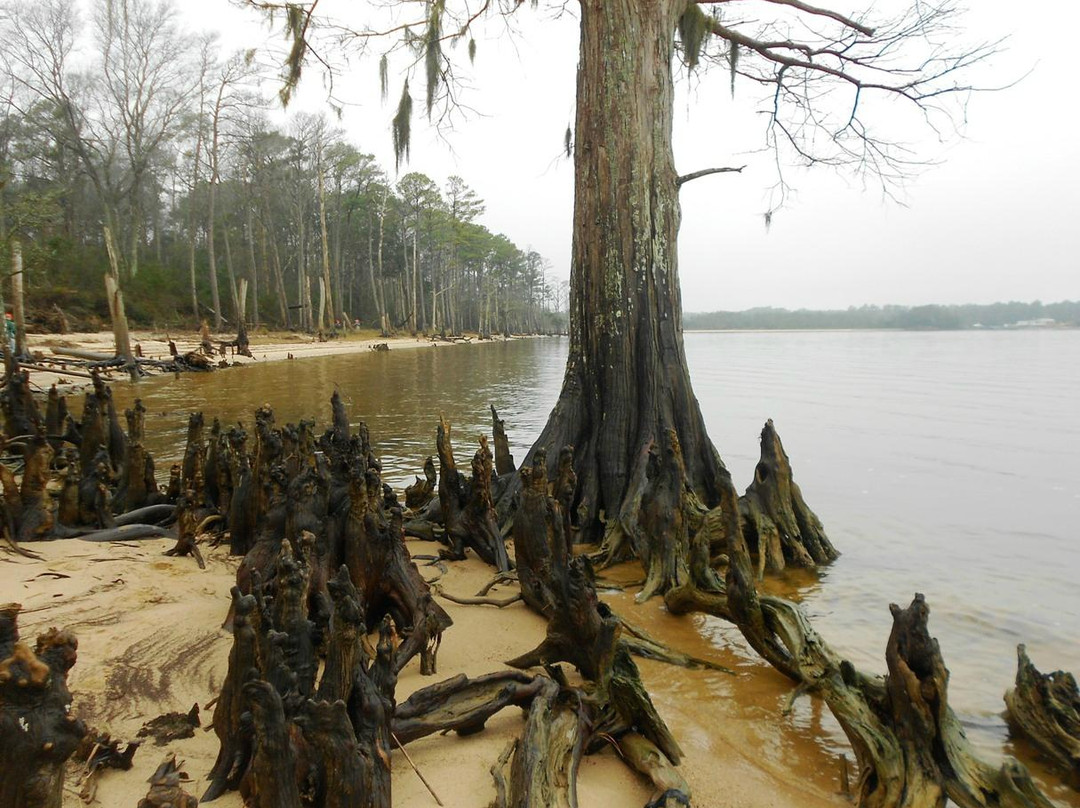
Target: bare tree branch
{"points": [[693, 175]]}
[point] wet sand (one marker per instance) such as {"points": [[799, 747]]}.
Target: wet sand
{"points": [[150, 643]]}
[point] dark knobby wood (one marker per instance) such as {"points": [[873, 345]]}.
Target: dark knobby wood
{"points": [[467, 508], [373, 548], [166, 790], [21, 414], [422, 491], [271, 781], [137, 486], [660, 523], [504, 461], [910, 748], [39, 730], [230, 724], [1045, 709], [581, 629], [777, 523], [35, 519]]}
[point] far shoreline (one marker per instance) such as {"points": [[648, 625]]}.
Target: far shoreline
{"points": [[272, 346]]}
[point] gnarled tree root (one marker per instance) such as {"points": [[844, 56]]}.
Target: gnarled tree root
{"points": [[1045, 709], [462, 704], [776, 520], [910, 749]]}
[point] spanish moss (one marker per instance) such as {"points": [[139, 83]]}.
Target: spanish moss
{"points": [[693, 27], [402, 125]]}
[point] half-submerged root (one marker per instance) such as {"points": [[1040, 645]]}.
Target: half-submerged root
{"points": [[776, 521], [909, 747], [1045, 709]]}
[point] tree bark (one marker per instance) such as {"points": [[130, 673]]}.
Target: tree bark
{"points": [[626, 398]]}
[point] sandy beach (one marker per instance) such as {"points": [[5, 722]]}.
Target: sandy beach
{"points": [[150, 642]]}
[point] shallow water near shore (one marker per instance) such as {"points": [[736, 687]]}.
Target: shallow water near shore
{"points": [[943, 463]]}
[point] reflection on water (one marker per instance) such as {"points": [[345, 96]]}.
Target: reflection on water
{"points": [[399, 394], [944, 463]]}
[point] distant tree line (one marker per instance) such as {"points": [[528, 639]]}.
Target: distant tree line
{"points": [[131, 145], [994, 315]]}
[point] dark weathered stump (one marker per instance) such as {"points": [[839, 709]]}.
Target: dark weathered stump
{"points": [[36, 518], [468, 512], [234, 754], [504, 461], [422, 491], [778, 524], [21, 414], [1045, 709], [39, 730], [271, 781]]}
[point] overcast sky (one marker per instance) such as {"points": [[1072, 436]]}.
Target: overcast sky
{"points": [[996, 220]]}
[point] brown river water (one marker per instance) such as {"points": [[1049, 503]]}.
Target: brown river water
{"points": [[942, 463]]}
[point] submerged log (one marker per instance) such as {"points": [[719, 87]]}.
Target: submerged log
{"points": [[38, 729], [777, 523], [1045, 709]]}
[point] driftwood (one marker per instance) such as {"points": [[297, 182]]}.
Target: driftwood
{"points": [[39, 730], [100, 751], [777, 523], [1045, 709], [166, 790], [543, 768]]}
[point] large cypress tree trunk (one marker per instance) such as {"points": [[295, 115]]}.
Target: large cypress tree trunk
{"points": [[626, 404]]}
